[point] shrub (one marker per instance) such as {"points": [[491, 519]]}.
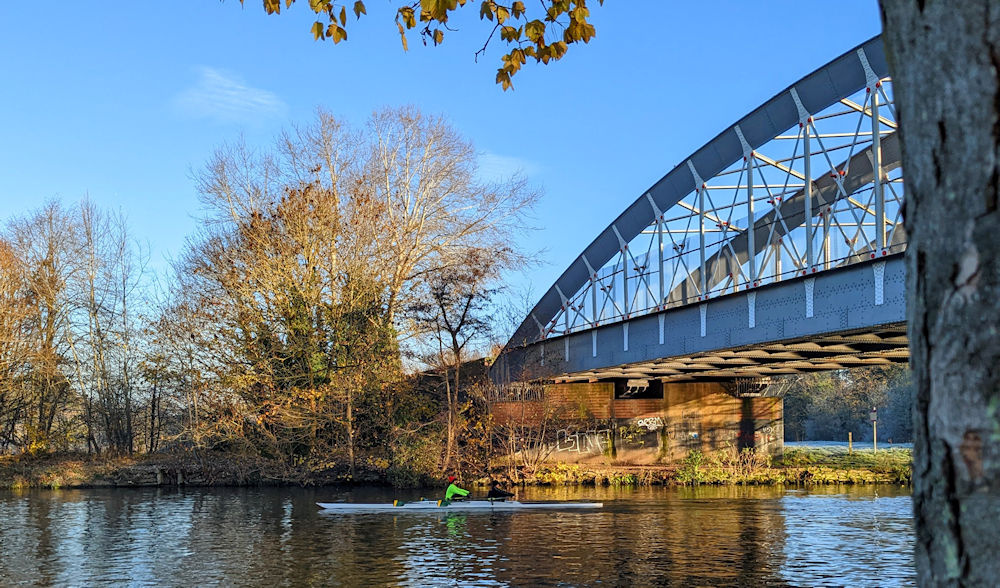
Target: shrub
{"points": [[690, 471]]}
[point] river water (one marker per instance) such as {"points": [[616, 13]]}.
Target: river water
{"points": [[859, 536]]}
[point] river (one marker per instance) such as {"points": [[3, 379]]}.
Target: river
{"points": [[277, 537]]}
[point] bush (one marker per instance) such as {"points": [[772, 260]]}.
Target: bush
{"points": [[690, 471]]}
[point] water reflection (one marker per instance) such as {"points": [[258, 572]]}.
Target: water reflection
{"points": [[276, 537]]}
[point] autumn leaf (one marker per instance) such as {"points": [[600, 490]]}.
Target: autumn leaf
{"points": [[402, 36], [503, 78], [529, 39], [317, 31], [535, 31], [336, 32]]}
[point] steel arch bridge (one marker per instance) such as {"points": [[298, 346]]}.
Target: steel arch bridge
{"points": [[775, 248]]}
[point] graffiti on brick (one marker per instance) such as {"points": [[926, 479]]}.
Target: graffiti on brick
{"points": [[762, 434], [588, 441], [651, 423]]}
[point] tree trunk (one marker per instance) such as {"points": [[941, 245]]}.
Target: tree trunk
{"points": [[453, 410], [153, 420], [944, 58], [350, 431], [449, 436]]}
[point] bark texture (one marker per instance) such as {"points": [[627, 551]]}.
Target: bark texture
{"points": [[944, 60]]}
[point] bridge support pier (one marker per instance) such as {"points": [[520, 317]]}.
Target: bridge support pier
{"points": [[611, 422]]}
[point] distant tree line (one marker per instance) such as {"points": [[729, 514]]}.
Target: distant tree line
{"points": [[325, 268], [71, 348], [827, 405]]}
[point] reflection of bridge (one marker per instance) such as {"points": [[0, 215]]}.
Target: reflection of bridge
{"points": [[773, 249]]}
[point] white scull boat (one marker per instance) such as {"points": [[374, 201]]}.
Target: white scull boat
{"points": [[462, 505]]}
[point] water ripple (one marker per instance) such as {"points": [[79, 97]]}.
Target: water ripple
{"points": [[277, 537]]}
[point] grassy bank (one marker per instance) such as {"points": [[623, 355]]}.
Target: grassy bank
{"points": [[799, 466]]}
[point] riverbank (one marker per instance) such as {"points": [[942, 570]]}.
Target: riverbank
{"points": [[798, 466], [169, 469]]}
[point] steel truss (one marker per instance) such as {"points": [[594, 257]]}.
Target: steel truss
{"points": [[826, 193]]}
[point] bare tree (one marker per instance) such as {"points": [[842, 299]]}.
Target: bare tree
{"points": [[437, 209], [15, 352], [106, 350], [46, 243], [453, 313], [291, 290]]}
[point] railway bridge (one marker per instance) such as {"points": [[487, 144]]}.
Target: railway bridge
{"points": [[776, 248]]}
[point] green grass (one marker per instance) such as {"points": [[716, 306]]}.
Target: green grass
{"points": [[839, 457], [821, 463]]}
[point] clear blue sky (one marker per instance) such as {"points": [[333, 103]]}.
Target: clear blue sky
{"points": [[121, 100]]}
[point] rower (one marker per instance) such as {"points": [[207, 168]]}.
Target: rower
{"points": [[454, 492], [498, 493]]}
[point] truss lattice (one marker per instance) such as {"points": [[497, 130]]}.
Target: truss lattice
{"points": [[824, 193]]}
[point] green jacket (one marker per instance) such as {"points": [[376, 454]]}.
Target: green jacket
{"points": [[454, 490]]}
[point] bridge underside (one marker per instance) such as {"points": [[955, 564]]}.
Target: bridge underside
{"points": [[858, 348]]}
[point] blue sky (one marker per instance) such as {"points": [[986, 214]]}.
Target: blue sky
{"points": [[121, 100]]}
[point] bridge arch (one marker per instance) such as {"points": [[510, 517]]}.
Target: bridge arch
{"points": [[809, 182]]}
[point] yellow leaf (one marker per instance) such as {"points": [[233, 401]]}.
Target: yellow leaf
{"points": [[317, 31], [558, 49], [509, 34], [438, 36], [503, 78], [409, 17], [486, 11], [359, 9], [336, 32], [343, 16], [402, 36], [502, 14], [535, 31], [544, 54], [272, 6], [438, 9]]}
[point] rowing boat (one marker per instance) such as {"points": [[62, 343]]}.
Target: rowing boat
{"points": [[399, 506]]}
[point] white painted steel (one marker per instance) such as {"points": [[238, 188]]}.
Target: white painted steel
{"points": [[753, 221]]}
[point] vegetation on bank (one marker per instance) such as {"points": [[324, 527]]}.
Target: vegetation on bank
{"points": [[729, 467], [283, 345], [327, 269], [799, 466]]}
